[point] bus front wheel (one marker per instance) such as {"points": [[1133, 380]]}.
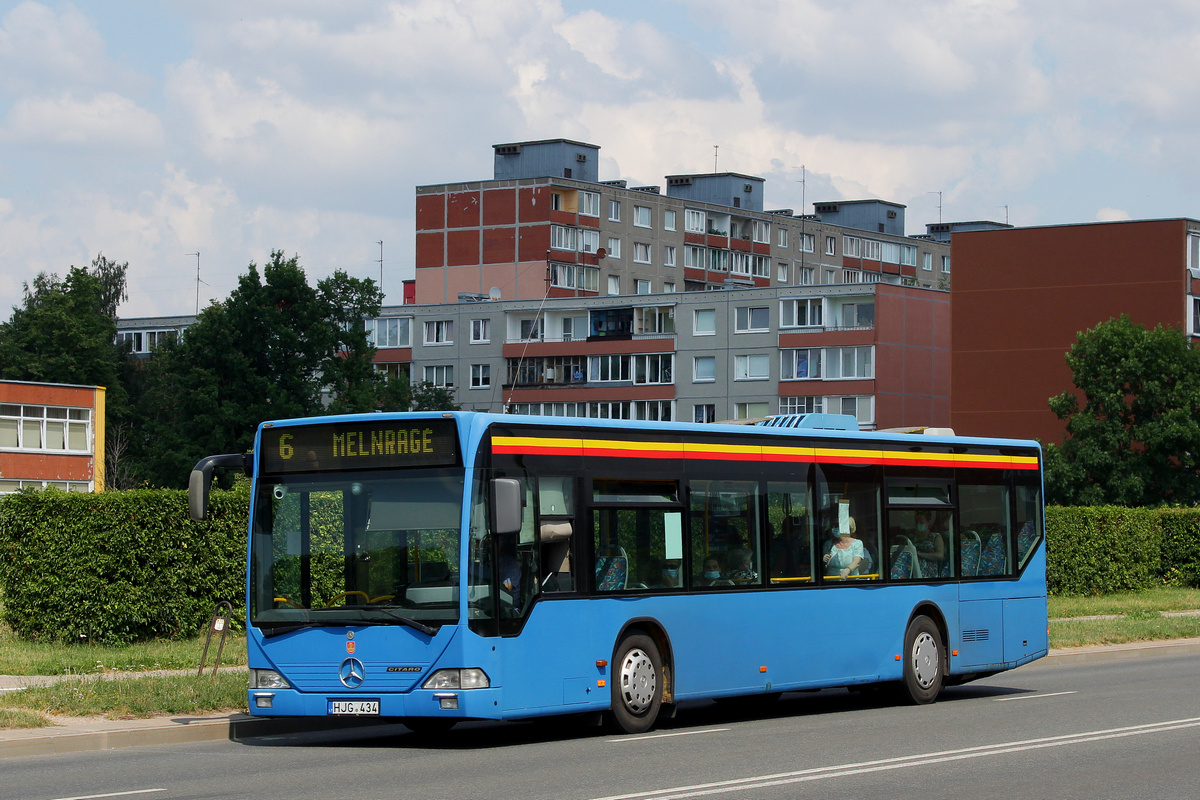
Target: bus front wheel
{"points": [[924, 661], [637, 685]]}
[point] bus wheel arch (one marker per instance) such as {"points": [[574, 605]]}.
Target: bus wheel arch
{"points": [[925, 655], [642, 654]]}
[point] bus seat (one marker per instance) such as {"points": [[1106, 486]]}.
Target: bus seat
{"points": [[612, 571], [992, 561], [1025, 539], [905, 563], [902, 564], [970, 553]]}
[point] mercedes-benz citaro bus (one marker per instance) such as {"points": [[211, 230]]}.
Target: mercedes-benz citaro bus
{"points": [[438, 567]]}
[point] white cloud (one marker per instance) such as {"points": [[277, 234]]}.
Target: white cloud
{"points": [[107, 120], [1112, 215]]}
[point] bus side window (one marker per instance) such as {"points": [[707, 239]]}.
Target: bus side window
{"points": [[790, 532], [556, 507], [987, 527]]}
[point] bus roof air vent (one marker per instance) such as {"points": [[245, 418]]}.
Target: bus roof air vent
{"points": [[826, 422]]}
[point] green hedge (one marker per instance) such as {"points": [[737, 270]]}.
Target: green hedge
{"points": [[118, 567], [1107, 549]]}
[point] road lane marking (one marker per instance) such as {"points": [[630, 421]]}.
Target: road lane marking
{"points": [[111, 794], [902, 762], [1029, 696], [664, 735]]}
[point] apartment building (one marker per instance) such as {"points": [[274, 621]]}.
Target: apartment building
{"points": [[877, 350], [1021, 295], [51, 435], [545, 226]]}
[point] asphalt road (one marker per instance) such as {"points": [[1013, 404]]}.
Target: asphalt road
{"points": [[1092, 731]]}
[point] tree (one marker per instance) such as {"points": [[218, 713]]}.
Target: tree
{"points": [[65, 330], [1136, 439], [275, 348]]}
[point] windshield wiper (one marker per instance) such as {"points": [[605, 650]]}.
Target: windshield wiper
{"points": [[359, 623]]}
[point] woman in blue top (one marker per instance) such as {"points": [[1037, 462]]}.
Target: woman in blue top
{"points": [[846, 555]]}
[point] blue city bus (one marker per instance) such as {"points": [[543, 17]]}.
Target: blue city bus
{"points": [[438, 567]]}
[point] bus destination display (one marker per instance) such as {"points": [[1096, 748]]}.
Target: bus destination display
{"points": [[361, 445]]}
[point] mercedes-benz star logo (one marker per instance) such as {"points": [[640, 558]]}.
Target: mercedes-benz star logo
{"points": [[352, 672]]}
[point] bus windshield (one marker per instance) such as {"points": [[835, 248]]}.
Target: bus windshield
{"points": [[361, 548]]}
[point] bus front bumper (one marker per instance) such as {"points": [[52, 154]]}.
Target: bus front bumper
{"points": [[447, 704]]}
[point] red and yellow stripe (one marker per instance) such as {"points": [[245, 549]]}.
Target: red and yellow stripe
{"points": [[701, 451]]}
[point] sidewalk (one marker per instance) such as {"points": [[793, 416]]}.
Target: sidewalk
{"points": [[74, 734]]}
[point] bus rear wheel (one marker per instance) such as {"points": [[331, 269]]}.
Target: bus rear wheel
{"points": [[637, 685], [924, 661]]}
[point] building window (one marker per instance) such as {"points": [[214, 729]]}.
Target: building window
{"points": [[693, 221], [562, 237], [589, 204], [704, 369], [755, 367], [927, 262], [849, 362], [872, 250], [830, 245], [741, 264], [481, 376], [641, 253], [801, 364], [668, 287], [762, 231], [781, 237], [781, 270], [1196, 316], [654, 319], [654, 410], [589, 241], [946, 264], [858, 315], [614, 247], [805, 276], [851, 276], [575, 276], [908, 255], [531, 329], [45, 428], [481, 331], [704, 322], [891, 252], [556, 201], [657, 368], [801, 405], [760, 266], [614, 284], [641, 216], [609, 369], [669, 220], [751, 410], [440, 375], [806, 242], [641, 286], [851, 247], [614, 210], [800, 313], [439, 331], [752, 319], [390, 331], [718, 260], [693, 257], [704, 412], [668, 255]]}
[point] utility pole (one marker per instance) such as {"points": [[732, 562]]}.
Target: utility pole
{"points": [[198, 281], [380, 243]]}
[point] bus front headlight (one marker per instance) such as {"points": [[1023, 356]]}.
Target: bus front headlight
{"points": [[469, 678], [267, 679]]}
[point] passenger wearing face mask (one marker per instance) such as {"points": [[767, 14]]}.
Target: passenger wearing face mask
{"points": [[670, 573], [713, 575]]}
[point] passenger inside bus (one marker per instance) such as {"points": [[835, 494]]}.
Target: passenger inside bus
{"points": [[846, 556], [741, 566], [929, 540], [713, 575], [790, 555]]}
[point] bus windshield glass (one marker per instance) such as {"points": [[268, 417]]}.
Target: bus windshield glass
{"points": [[354, 548]]}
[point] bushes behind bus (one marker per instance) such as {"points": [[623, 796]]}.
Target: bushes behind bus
{"points": [[1107, 549], [119, 567]]}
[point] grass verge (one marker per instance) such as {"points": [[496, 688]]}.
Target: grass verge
{"points": [[1164, 598], [20, 657], [128, 697]]}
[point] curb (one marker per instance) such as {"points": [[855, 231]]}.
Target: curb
{"points": [[102, 734]]}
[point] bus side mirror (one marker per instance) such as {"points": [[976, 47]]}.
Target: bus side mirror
{"points": [[200, 481], [506, 505]]}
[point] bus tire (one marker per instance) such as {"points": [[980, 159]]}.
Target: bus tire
{"points": [[637, 685], [924, 661]]}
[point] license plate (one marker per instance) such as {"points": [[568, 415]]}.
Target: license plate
{"points": [[354, 708]]}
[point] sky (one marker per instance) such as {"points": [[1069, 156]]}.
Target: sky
{"points": [[155, 130]]}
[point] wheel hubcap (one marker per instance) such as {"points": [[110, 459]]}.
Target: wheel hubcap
{"points": [[638, 681], [925, 660]]}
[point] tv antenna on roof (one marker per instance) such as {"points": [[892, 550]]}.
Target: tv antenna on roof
{"points": [[198, 281]]}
